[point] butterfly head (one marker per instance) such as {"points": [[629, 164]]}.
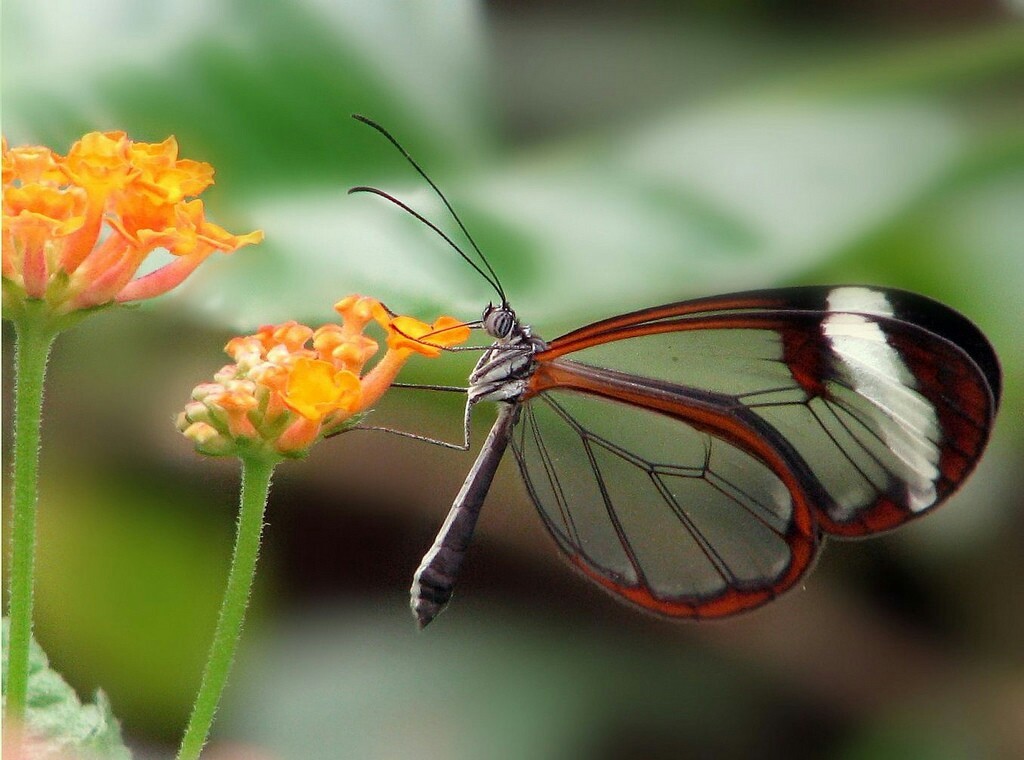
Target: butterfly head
{"points": [[499, 321]]}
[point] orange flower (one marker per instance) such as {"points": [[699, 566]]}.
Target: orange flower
{"points": [[315, 390], [76, 228], [291, 385]]}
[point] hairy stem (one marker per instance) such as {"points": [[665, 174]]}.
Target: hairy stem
{"points": [[256, 474], [34, 339]]}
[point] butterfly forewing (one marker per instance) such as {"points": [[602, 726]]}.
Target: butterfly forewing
{"points": [[886, 396]]}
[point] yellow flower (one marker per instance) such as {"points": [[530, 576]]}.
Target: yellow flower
{"points": [[314, 389], [291, 385], [76, 228]]}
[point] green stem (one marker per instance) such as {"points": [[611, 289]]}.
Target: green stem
{"points": [[34, 338], [256, 475]]}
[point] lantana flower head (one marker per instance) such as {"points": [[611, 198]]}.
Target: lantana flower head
{"points": [[77, 228], [290, 385]]}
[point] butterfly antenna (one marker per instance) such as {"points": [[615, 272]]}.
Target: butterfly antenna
{"points": [[409, 210], [493, 279], [471, 325]]}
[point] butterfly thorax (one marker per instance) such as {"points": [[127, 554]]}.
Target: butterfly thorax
{"points": [[505, 368]]}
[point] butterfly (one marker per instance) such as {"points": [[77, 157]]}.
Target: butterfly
{"points": [[692, 458]]}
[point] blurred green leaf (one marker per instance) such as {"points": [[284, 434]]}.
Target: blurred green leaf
{"points": [[58, 721], [955, 62], [734, 197], [261, 89], [912, 738], [131, 572]]}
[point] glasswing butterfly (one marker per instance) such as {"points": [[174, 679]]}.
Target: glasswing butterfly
{"points": [[691, 458]]}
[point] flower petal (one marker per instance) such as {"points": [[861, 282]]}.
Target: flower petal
{"points": [[315, 389]]}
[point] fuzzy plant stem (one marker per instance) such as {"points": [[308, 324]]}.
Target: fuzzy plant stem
{"points": [[256, 474], [34, 339]]}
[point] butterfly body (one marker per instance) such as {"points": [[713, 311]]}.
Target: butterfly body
{"points": [[504, 369]]}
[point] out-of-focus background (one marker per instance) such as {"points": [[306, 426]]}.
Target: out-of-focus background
{"points": [[607, 156]]}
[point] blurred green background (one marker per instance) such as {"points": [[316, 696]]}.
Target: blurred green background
{"points": [[607, 156]]}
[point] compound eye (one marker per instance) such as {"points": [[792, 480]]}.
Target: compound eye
{"points": [[499, 322]]}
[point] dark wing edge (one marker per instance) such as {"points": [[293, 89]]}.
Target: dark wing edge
{"points": [[907, 306]]}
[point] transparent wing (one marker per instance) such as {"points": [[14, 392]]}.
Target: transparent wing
{"points": [[673, 519], [885, 397]]}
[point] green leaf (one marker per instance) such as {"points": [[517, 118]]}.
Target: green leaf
{"points": [[261, 89], [741, 195], [58, 721]]}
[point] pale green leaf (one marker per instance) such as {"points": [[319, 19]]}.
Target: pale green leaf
{"points": [[58, 722]]}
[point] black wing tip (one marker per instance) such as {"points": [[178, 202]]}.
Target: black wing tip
{"points": [[926, 312], [951, 324]]}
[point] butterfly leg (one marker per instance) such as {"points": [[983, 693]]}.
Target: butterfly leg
{"points": [[435, 579]]}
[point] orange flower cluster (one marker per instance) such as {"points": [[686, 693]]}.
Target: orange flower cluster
{"points": [[291, 385], [76, 228]]}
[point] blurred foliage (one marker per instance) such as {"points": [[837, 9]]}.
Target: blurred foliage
{"points": [[57, 719], [605, 157], [597, 689], [144, 557]]}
